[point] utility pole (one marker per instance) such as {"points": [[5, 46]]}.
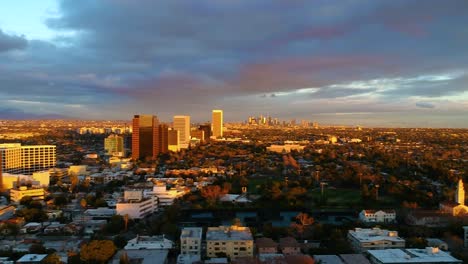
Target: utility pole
{"points": [[377, 192], [322, 184]]}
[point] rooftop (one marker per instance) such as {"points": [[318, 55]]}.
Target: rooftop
{"points": [[328, 259], [354, 259], [32, 258], [228, 233], [388, 211], [375, 234], [143, 256], [428, 255], [265, 242], [288, 242], [192, 232]]}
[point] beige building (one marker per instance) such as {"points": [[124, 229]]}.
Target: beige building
{"points": [[234, 241], [217, 123], [285, 148], [190, 241], [363, 239], [16, 194], [114, 145], [37, 179], [182, 124], [11, 158], [17, 159], [457, 208]]}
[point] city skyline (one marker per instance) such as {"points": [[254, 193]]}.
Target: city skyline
{"points": [[370, 63]]}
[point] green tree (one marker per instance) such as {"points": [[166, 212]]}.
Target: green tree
{"points": [[60, 201], [26, 200], [52, 259], [120, 241], [124, 258], [97, 251], [37, 249], [236, 222], [116, 224]]}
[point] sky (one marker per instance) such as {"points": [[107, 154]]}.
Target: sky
{"points": [[349, 62]]}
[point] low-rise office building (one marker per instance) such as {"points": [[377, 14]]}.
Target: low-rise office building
{"points": [[149, 242], [363, 239], [36, 193], [413, 255], [135, 205]]}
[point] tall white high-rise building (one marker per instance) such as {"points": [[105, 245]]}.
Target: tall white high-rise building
{"points": [[460, 195], [217, 123], [182, 124]]}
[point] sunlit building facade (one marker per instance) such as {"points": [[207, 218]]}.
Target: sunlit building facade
{"points": [[182, 124], [217, 123], [114, 145], [18, 159], [145, 137]]}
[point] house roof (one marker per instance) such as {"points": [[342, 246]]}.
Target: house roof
{"points": [[265, 242], [288, 242]]}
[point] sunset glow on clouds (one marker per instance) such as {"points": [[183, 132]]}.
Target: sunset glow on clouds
{"points": [[338, 62]]}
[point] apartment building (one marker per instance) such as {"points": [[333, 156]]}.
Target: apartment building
{"points": [[234, 241], [190, 241]]}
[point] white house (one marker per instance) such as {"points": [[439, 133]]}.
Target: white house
{"points": [[149, 242], [377, 216]]}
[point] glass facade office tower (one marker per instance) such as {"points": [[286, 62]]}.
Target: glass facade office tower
{"points": [[145, 137]]}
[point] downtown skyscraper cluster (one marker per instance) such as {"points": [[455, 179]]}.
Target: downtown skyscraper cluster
{"points": [[150, 137]]}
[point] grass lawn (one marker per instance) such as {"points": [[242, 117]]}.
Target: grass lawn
{"points": [[254, 185], [338, 197], [346, 198]]}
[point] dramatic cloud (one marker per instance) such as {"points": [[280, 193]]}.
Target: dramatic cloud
{"points": [[291, 59], [425, 105], [9, 42]]}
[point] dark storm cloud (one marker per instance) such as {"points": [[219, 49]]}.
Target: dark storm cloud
{"points": [[425, 105], [153, 55], [15, 114], [10, 42]]}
